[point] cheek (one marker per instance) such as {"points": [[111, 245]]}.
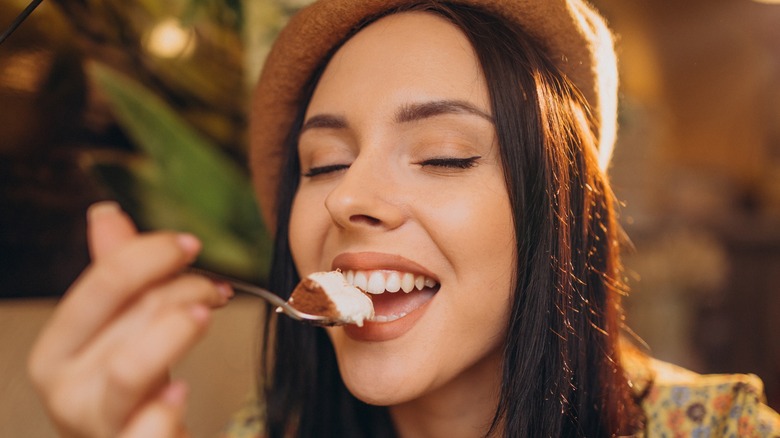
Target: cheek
{"points": [[478, 239], [305, 232], [476, 230]]}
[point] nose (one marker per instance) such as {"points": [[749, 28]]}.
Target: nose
{"points": [[366, 198]]}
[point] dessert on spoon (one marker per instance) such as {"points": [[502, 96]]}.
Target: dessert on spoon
{"points": [[322, 298], [329, 294]]}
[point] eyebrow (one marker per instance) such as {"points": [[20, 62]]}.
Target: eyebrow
{"points": [[324, 121], [407, 113], [419, 111]]}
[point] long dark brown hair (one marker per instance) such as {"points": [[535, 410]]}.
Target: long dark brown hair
{"points": [[561, 370]]}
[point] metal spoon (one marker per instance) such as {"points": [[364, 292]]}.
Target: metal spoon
{"points": [[281, 305]]}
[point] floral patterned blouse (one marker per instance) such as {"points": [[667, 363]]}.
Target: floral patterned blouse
{"points": [[681, 403], [677, 403]]}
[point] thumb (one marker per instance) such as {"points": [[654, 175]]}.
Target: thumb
{"points": [[108, 227]]}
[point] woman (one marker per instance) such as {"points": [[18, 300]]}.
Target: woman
{"points": [[460, 145], [452, 147]]}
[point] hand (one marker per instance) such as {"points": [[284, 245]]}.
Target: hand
{"points": [[101, 363]]}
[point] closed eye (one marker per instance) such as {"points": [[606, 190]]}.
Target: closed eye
{"points": [[322, 170], [452, 163]]}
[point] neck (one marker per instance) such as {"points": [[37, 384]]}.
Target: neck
{"points": [[464, 407]]}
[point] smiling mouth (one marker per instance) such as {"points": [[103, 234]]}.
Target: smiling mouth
{"points": [[383, 287]]}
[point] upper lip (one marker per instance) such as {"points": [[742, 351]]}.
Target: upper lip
{"points": [[371, 261]]}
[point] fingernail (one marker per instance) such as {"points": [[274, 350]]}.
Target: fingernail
{"points": [[225, 291], [103, 207], [189, 243]]}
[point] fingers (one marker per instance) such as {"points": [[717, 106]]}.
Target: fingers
{"points": [[162, 417], [179, 295], [135, 367], [111, 283], [107, 228], [96, 389], [102, 359], [134, 370]]}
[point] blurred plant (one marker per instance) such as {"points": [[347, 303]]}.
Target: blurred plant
{"points": [[151, 98], [171, 74], [202, 81], [182, 181]]}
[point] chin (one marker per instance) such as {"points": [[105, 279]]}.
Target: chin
{"points": [[381, 390], [378, 375]]}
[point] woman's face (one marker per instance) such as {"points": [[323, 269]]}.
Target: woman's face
{"points": [[402, 184]]}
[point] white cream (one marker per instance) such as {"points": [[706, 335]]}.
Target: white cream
{"points": [[352, 304]]}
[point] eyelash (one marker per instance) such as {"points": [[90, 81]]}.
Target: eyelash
{"points": [[314, 171], [451, 163]]}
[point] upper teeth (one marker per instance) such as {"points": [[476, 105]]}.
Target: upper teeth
{"points": [[377, 282]]}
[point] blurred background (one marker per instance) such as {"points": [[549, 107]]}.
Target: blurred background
{"points": [[145, 102]]}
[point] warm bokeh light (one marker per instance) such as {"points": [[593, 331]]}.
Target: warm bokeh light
{"points": [[169, 39], [21, 72]]}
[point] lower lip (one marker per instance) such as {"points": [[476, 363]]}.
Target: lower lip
{"points": [[386, 331]]}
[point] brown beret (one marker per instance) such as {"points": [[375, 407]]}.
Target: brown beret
{"points": [[574, 36]]}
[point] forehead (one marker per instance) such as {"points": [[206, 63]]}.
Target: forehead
{"points": [[402, 58]]}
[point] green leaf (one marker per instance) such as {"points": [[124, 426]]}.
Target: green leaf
{"points": [[187, 183]]}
